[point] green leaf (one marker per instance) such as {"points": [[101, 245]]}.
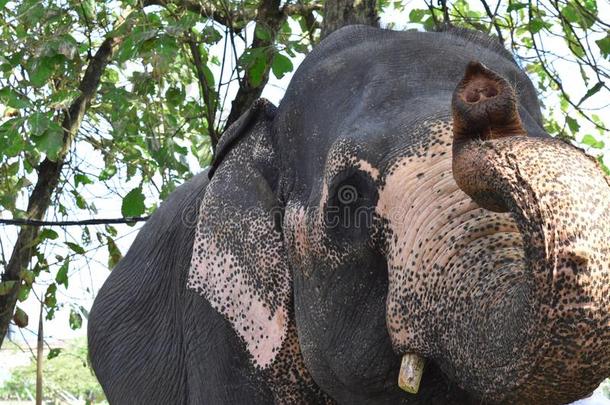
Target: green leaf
{"points": [[3, 3], [605, 168], [53, 353], [516, 6], [32, 11], [127, 50], [143, 83], [209, 76], [604, 45], [254, 60], [256, 71], [39, 122], [11, 140], [88, 9], [41, 71], [27, 276], [48, 234], [417, 14], [76, 248], [429, 24], [78, 198], [598, 86], [211, 35], [281, 65], [263, 33], [49, 296], [572, 41], [7, 286], [110, 76], [108, 172], [111, 231], [62, 273], [114, 254], [590, 140], [570, 13], [51, 141], [535, 25], [174, 96], [133, 203], [20, 318], [24, 292], [13, 99], [573, 124], [81, 178], [573, 14], [75, 320]]}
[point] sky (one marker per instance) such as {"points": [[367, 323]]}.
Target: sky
{"points": [[87, 277]]}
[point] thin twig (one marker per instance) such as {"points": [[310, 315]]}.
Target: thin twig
{"points": [[492, 17], [446, 19], [92, 221], [554, 78]]}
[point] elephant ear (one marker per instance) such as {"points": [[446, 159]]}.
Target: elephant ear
{"points": [[239, 263]]}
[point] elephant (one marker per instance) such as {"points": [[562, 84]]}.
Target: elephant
{"points": [[402, 215]]}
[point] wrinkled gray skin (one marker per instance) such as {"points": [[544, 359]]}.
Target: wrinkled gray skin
{"points": [[333, 238]]}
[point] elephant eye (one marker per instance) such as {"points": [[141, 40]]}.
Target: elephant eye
{"points": [[351, 203]]}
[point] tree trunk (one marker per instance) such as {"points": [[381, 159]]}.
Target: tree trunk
{"points": [[269, 18], [339, 13], [48, 176], [39, 355]]}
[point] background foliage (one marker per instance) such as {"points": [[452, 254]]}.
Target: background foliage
{"points": [[66, 377], [107, 106]]}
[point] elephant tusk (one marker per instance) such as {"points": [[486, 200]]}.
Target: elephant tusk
{"points": [[411, 371]]}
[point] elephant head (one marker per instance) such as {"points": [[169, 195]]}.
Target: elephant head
{"points": [[382, 213]]}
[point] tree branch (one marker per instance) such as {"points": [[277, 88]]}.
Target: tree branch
{"points": [[209, 97], [555, 79], [301, 9], [91, 221], [48, 176], [270, 17], [205, 9], [446, 19], [492, 17], [228, 18], [434, 19]]}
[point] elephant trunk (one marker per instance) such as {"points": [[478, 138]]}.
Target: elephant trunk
{"points": [[534, 325]]}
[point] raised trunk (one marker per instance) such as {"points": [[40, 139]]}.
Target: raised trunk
{"points": [[540, 331], [550, 316], [498, 254]]}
